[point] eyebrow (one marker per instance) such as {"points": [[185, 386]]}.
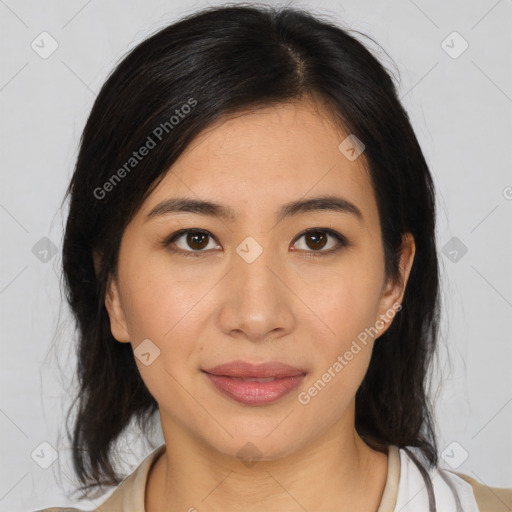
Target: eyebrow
{"points": [[322, 203]]}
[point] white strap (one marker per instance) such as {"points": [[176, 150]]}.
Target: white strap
{"points": [[452, 493]]}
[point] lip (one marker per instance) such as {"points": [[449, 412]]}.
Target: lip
{"points": [[244, 369], [228, 379]]}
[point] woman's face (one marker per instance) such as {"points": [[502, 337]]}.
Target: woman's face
{"points": [[253, 287]]}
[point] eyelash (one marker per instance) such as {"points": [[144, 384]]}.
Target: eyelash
{"points": [[342, 242]]}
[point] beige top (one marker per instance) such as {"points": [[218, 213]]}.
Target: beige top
{"points": [[129, 496]]}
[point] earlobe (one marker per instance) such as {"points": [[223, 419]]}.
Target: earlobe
{"points": [[115, 311]]}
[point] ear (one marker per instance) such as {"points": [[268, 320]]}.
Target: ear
{"points": [[115, 310], [393, 292]]}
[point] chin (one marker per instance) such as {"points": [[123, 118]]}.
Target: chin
{"points": [[255, 444]]}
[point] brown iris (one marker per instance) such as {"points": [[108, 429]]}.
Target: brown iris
{"points": [[318, 238], [197, 241]]}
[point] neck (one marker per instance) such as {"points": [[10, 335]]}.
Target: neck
{"points": [[337, 472]]}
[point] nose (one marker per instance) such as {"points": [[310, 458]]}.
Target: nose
{"points": [[257, 299]]}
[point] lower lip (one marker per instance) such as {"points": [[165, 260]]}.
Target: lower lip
{"points": [[255, 393]]}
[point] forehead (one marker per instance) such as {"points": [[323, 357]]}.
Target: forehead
{"points": [[267, 157]]}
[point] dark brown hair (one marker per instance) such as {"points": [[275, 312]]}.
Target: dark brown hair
{"points": [[220, 61]]}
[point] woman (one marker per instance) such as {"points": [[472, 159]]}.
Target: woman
{"points": [[250, 250]]}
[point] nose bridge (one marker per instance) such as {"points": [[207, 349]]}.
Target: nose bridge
{"points": [[253, 263], [256, 301]]}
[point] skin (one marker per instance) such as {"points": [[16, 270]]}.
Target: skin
{"points": [[214, 308]]}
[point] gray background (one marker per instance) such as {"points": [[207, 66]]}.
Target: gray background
{"points": [[460, 104]]}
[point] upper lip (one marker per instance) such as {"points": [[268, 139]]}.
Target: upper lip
{"points": [[244, 369]]}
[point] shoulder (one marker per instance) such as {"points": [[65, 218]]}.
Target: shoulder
{"points": [[489, 499], [423, 487], [128, 495]]}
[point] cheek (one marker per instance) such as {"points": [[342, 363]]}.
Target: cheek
{"points": [[167, 312], [162, 302], [160, 311], [347, 304], [346, 300], [341, 358]]}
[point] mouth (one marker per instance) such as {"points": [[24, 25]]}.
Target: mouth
{"points": [[255, 384]]}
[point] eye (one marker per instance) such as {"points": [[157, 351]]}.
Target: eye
{"points": [[194, 242], [190, 242], [316, 240]]}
